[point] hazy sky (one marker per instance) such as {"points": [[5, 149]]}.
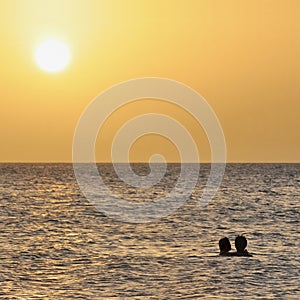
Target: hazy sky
{"points": [[243, 56]]}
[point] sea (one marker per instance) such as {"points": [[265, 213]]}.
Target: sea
{"points": [[55, 244]]}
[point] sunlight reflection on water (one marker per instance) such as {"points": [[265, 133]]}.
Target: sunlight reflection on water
{"points": [[55, 244]]}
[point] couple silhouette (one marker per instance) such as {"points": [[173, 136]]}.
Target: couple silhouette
{"points": [[240, 245]]}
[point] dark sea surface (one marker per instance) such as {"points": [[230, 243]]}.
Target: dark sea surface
{"points": [[55, 245]]}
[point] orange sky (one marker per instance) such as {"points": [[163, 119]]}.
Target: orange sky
{"points": [[242, 56]]}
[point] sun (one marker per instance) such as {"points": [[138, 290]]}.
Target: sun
{"points": [[52, 55]]}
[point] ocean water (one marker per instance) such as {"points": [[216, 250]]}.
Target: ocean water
{"points": [[55, 245]]}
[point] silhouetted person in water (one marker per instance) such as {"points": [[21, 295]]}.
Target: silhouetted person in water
{"points": [[240, 246], [225, 246]]}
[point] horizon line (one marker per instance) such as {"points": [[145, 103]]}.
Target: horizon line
{"points": [[147, 162]]}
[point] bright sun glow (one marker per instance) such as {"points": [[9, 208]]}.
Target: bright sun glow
{"points": [[52, 56]]}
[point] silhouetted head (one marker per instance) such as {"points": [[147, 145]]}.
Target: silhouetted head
{"points": [[224, 245], [240, 243]]}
